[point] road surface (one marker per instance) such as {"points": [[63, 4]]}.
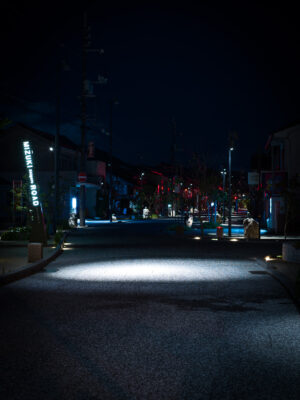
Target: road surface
{"points": [[128, 312]]}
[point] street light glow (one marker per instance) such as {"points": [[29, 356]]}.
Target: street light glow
{"points": [[149, 270]]}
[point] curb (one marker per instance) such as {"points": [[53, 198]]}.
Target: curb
{"points": [[288, 285], [23, 272]]}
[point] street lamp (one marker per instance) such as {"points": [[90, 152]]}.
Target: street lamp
{"points": [[61, 66], [229, 190], [223, 173], [111, 103]]}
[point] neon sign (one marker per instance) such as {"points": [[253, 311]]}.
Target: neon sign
{"points": [[29, 166]]}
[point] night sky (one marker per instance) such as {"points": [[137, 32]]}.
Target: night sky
{"points": [[215, 68]]}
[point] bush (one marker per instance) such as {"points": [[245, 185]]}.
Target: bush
{"points": [[175, 227], [58, 236], [63, 225], [154, 216], [17, 233]]}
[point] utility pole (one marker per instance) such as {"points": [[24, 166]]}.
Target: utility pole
{"points": [[61, 66], [110, 198], [173, 164], [83, 118], [86, 92], [229, 190], [110, 161], [57, 146], [223, 172]]}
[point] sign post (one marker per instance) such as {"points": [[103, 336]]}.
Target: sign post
{"points": [[38, 230]]}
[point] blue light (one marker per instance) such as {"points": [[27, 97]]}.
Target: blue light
{"points": [[74, 204]]}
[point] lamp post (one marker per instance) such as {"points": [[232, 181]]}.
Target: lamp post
{"points": [[57, 147], [110, 199], [61, 66], [223, 173], [229, 190], [84, 93]]}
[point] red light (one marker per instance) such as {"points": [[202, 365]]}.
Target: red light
{"points": [[157, 173]]}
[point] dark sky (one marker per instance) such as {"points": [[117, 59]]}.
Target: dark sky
{"points": [[216, 67]]}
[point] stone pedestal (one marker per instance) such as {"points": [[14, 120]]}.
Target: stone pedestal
{"points": [[35, 252]]}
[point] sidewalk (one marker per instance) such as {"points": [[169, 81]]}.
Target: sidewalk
{"points": [[14, 259], [287, 273]]}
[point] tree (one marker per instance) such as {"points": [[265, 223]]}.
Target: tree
{"points": [[20, 200], [4, 122]]}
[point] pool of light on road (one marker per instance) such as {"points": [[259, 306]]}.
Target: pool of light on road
{"points": [[163, 270]]}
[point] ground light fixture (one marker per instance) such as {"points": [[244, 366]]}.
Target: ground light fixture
{"points": [[270, 258], [234, 240], [197, 237]]}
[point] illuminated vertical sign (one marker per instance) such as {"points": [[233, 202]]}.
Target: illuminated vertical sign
{"points": [[29, 166]]}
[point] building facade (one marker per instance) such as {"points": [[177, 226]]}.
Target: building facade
{"points": [[281, 184]]}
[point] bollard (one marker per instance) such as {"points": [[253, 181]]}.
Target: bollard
{"points": [[35, 251], [220, 232]]}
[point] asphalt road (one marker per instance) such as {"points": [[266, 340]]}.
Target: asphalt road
{"points": [[128, 312]]}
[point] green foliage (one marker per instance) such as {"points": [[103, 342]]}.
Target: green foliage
{"points": [[58, 236], [17, 233], [4, 123], [147, 195], [21, 196], [64, 224], [219, 219], [154, 216]]}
